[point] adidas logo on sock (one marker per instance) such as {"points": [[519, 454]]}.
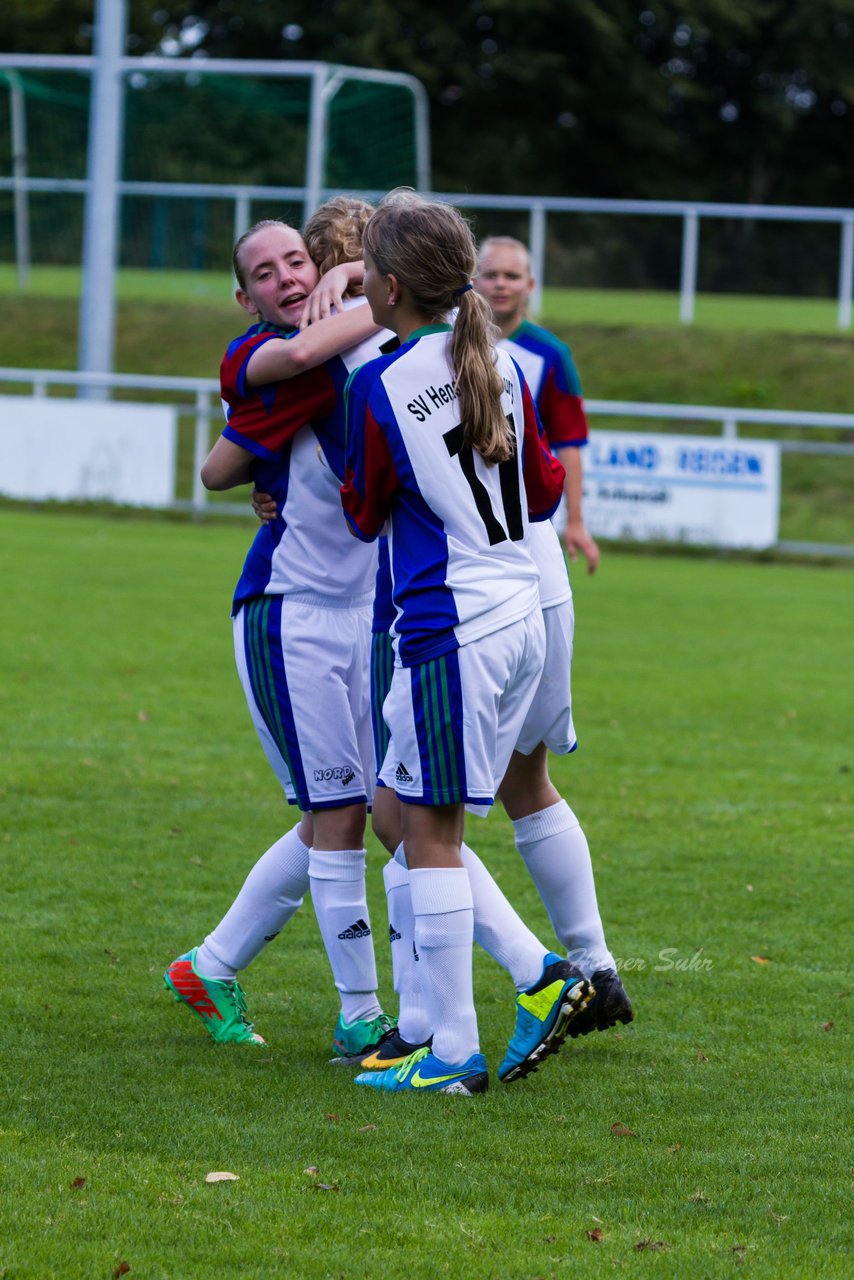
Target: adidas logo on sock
{"points": [[393, 935], [359, 929], [402, 774]]}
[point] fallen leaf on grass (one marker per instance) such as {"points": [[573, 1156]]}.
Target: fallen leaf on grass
{"points": [[332, 1115], [595, 1235], [121, 1270], [311, 1170], [698, 1198], [78, 1183], [677, 1146], [701, 1057], [222, 1177], [760, 959], [652, 1245], [622, 1131], [367, 1128], [828, 1026], [325, 1186], [778, 1217]]}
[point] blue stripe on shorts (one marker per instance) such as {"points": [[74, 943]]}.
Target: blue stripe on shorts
{"points": [[437, 703], [382, 666], [264, 662]]}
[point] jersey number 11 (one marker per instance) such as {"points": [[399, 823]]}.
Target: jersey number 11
{"points": [[508, 477]]}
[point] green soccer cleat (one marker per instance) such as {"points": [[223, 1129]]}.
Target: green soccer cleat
{"points": [[543, 1017], [423, 1070], [351, 1042], [220, 1005]]}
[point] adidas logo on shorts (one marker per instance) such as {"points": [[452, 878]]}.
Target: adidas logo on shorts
{"points": [[402, 774], [393, 935], [360, 929]]}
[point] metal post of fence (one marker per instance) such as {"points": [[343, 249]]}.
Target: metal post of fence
{"points": [[19, 172], [314, 163], [688, 281], [537, 250], [241, 215], [200, 448], [100, 233], [846, 273], [730, 427]]}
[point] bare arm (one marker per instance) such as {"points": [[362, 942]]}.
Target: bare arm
{"points": [[283, 358], [328, 293], [227, 465], [576, 537]]}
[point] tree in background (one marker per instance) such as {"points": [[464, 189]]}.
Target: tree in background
{"points": [[701, 99], [714, 100]]}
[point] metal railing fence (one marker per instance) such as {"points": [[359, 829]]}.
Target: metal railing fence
{"points": [[537, 209], [203, 406]]}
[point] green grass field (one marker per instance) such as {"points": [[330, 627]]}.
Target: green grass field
{"points": [[560, 306], [714, 782], [767, 353]]}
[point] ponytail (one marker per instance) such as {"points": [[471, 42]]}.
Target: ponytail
{"points": [[478, 383]]}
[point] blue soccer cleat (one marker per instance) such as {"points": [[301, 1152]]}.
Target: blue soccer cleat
{"points": [[423, 1070], [543, 1016]]}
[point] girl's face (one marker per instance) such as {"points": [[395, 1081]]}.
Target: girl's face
{"points": [[279, 276], [505, 281]]}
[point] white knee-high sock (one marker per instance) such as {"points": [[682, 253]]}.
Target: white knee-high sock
{"points": [[499, 930], [444, 926], [557, 855], [341, 906], [413, 1023], [271, 893]]}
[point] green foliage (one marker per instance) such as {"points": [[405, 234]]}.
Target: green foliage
{"points": [[704, 100], [753, 352], [714, 784]]}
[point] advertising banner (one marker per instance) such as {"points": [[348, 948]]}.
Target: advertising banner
{"points": [[700, 490], [87, 449]]}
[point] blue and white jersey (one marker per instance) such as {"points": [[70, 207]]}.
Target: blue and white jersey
{"points": [[308, 548], [457, 526]]}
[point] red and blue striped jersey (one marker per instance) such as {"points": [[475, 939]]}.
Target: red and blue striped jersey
{"points": [[295, 429], [550, 372]]}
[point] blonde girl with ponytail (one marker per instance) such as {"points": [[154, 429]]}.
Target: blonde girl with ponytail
{"points": [[444, 454]]}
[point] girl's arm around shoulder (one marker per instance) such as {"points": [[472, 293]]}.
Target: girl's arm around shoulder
{"points": [[283, 358], [370, 480], [544, 476], [328, 294]]}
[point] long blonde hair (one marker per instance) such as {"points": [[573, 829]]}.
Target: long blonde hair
{"points": [[333, 234], [430, 249]]}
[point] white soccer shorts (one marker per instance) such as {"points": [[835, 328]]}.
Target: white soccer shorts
{"points": [[304, 667], [455, 721], [549, 717]]}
